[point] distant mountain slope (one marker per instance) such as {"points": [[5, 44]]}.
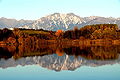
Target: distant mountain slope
{"points": [[11, 23], [58, 21]]}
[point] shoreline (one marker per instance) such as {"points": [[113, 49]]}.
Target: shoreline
{"points": [[85, 42]]}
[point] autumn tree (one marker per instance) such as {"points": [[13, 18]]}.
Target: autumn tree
{"points": [[97, 34], [67, 34], [21, 40], [75, 33], [16, 32], [82, 38], [11, 40], [1, 35], [6, 33], [59, 33]]}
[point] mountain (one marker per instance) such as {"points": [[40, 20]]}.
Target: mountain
{"points": [[57, 63], [102, 20], [58, 21], [11, 23]]}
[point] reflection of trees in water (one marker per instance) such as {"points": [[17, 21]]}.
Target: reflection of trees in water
{"points": [[4, 53], [94, 52], [59, 52], [98, 53], [105, 52], [32, 50]]}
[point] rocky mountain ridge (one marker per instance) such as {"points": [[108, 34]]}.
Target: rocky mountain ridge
{"points": [[58, 21]]}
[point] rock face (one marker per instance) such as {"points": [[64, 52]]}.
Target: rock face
{"points": [[54, 62], [58, 21]]}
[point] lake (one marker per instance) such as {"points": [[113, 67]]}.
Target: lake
{"points": [[60, 62]]}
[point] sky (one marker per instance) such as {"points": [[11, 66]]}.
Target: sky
{"points": [[35, 9]]}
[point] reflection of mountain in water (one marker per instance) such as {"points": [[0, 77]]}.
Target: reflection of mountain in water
{"points": [[59, 57], [54, 62]]}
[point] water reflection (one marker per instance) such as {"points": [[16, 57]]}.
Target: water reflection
{"points": [[58, 57]]}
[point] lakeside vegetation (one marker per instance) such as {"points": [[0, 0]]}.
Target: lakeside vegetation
{"points": [[99, 42], [90, 34], [110, 52]]}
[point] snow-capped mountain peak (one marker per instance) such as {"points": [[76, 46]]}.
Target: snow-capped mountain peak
{"points": [[58, 21]]}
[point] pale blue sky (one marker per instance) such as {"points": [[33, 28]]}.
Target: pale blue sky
{"points": [[34, 9]]}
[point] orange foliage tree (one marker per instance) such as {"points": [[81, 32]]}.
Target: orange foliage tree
{"points": [[59, 33], [11, 40]]}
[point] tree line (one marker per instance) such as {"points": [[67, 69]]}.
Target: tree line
{"points": [[31, 36], [98, 31]]}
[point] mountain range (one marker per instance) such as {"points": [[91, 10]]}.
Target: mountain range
{"points": [[57, 21], [56, 63]]}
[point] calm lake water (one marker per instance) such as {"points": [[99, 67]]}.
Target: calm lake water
{"points": [[60, 63]]}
